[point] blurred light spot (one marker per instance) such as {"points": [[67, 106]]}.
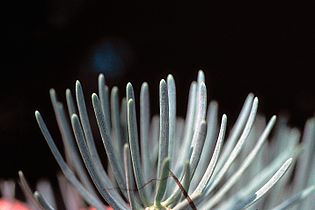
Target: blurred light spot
{"points": [[111, 57]]}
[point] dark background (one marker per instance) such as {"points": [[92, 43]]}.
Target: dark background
{"points": [[266, 49]]}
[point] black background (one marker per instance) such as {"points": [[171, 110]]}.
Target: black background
{"points": [[263, 48]]}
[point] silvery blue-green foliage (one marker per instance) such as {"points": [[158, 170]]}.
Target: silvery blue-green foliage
{"points": [[243, 168]]}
